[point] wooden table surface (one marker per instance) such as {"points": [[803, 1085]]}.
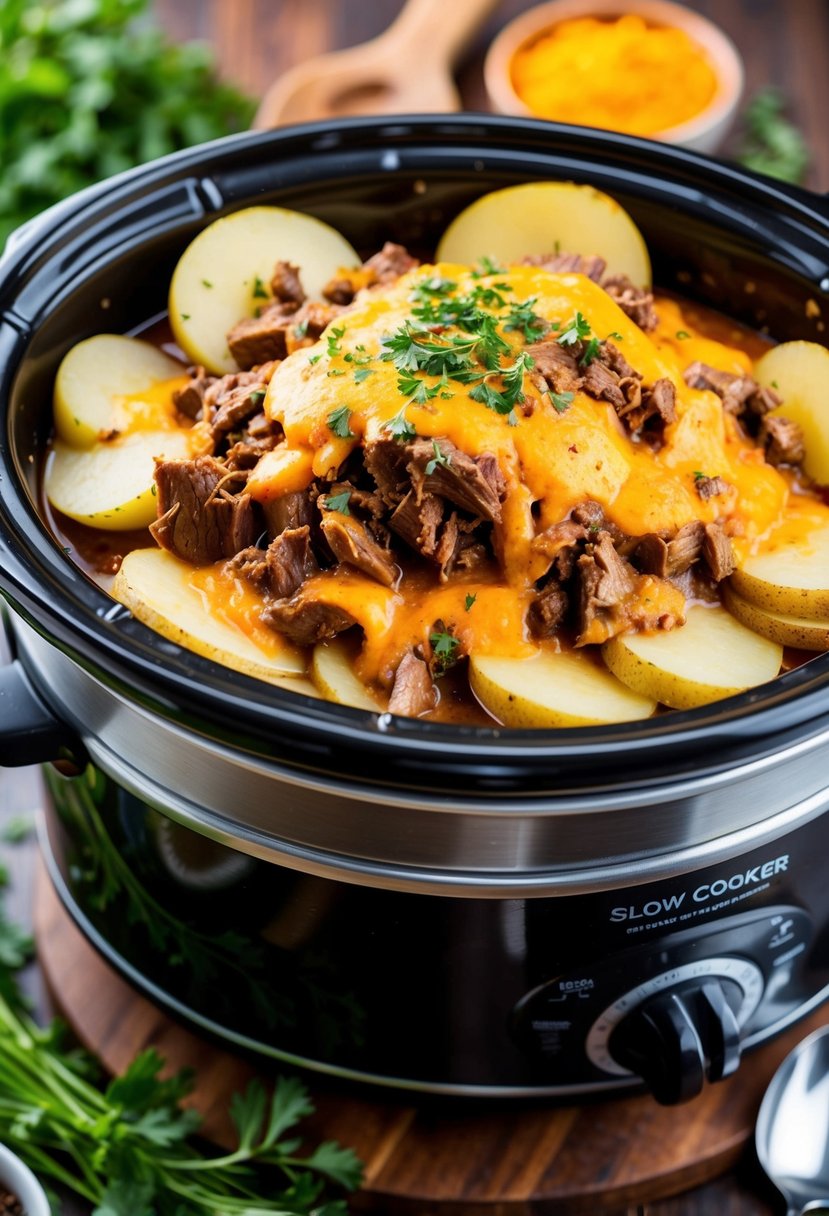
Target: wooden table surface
{"points": [[783, 42]]}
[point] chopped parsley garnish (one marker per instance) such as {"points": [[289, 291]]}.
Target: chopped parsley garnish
{"points": [[399, 426], [444, 648], [561, 401], [206, 283], [440, 458], [339, 421], [259, 290], [338, 502], [486, 266], [337, 371], [591, 351], [301, 330], [618, 337], [185, 316], [333, 339], [314, 359], [577, 330], [504, 400], [468, 602], [435, 286], [522, 318], [682, 333], [361, 374], [698, 476], [489, 297], [257, 394]]}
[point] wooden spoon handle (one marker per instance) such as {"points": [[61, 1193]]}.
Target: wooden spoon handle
{"points": [[438, 29]]}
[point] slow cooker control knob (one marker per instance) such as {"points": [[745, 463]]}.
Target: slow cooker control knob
{"points": [[680, 1037]]}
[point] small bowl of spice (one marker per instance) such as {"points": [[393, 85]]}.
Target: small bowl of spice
{"points": [[643, 67], [20, 1192]]}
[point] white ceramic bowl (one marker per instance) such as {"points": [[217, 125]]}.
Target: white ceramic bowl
{"points": [[702, 133], [20, 1180]]}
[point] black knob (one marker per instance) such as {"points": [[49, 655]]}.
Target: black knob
{"points": [[680, 1037]]}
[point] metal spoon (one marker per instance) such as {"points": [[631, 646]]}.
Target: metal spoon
{"points": [[405, 69], [792, 1134]]}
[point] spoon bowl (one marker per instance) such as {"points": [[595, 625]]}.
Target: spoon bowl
{"points": [[792, 1135]]}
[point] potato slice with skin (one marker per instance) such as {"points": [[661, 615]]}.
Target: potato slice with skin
{"points": [[110, 485], [158, 589], [781, 627], [799, 372], [540, 217], [334, 677], [793, 579], [553, 689], [222, 275], [94, 379], [710, 657]]}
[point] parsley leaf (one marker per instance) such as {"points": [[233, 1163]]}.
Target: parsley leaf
{"points": [[445, 649], [591, 351], [339, 421], [522, 317], [561, 401], [338, 502], [260, 291], [577, 330], [399, 426], [682, 333], [469, 601], [333, 339], [440, 458], [486, 266], [361, 374]]}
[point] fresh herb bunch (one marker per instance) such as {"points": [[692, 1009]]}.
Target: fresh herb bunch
{"points": [[772, 144], [129, 1149], [86, 91]]}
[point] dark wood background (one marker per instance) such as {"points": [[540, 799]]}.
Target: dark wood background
{"points": [[783, 42]]}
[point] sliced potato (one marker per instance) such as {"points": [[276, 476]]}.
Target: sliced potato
{"points": [[110, 485], [223, 275], [792, 578], [799, 372], [159, 590], [95, 379], [553, 690], [540, 217], [709, 657], [335, 678], [788, 630]]}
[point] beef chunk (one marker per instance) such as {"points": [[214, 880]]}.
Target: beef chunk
{"points": [[654, 405], [413, 692], [635, 302], [231, 400], [548, 610], [651, 554], [308, 322], [350, 541], [555, 368], [685, 548], [604, 582], [561, 544], [286, 285], [568, 263], [190, 399], [340, 290], [589, 514], [418, 522], [304, 620], [256, 340], [246, 453], [288, 511], [386, 267], [456, 477], [603, 384], [280, 570], [200, 519], [740, 395], [717, 551], [385, 460], [783, 441], [616, 361], [710, 487]]}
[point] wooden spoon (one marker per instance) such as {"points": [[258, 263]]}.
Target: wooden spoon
{"points": [[404, 70]]}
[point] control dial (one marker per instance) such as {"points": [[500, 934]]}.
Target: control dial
{"points": [[679, 1028]]}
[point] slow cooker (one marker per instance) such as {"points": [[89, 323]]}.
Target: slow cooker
{"points": [[454, 909]]}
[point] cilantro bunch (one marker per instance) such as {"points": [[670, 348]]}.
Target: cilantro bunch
{"points": [[89, 88], [128, 1149]]}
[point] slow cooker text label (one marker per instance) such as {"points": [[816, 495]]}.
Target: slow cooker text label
{"points": [[703, 893]]}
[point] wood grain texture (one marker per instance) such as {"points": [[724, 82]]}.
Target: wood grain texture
{"points": [[783, 43], [435, 1157]]}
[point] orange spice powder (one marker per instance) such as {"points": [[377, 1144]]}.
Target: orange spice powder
{"points": [[623, 75]]}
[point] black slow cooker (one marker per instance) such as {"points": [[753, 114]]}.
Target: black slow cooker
{"points": [[462, 910]]}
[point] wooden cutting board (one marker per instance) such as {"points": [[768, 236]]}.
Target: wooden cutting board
{"points": [[433, 1157]]}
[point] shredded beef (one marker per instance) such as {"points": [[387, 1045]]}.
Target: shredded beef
{"points": [[603, 384], [783, 441], [686, 547], [308, 322], [200, 519], [340, 290], [247, 452], [385, 461], [289, 511], [304, 620], [418, 522], [717, 551], [458, 478], [651, 554], [413, 692], [568, 263], [605, 580], [710, 487], [389, 264], [190, 399], [256, 340], [286, 285], [232, 399], [350, 541], [561, 543], [280, 570], [555, 368], [635, 302], [548, 610], [740, 395], [616, 361], [655, 405]]}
